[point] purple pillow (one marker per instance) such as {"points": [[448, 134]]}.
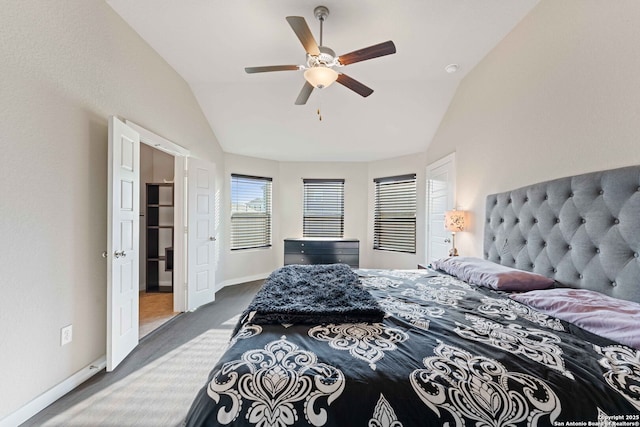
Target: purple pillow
{"points": [[491, 275], [612, 318]]}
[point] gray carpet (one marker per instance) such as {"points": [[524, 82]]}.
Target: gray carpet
{"points": [[155, 385]]}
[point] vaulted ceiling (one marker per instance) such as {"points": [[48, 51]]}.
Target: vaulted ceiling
{"points": [[209, 42]]}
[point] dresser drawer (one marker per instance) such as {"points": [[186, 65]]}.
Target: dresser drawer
{"points": [[344, 251], [323, 251], [301, 259], [351, 260], [346, 245], [296, 246]]}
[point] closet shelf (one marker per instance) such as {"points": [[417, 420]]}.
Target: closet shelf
{"points": [[159, 233]]}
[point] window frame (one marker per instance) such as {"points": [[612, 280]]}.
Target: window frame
{"points": [[265, 216], [321, 224], [396, 212]]}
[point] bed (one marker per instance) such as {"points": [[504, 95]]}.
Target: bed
{"points": [[542, 331]]}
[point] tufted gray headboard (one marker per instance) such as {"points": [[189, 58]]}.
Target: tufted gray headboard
{"points": [[583, 231]]}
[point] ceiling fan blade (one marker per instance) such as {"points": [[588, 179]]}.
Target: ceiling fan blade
{"points": [[251, 70], [354, 85], [304, 94], [381, 49], [300, 27]]}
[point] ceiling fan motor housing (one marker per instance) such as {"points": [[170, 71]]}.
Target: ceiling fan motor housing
{"points": [[327, 58]]}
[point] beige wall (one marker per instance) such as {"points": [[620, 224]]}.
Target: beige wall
{"points": [[558, 96], [288, 209], [391, 167], [249, 264], [66, 66], [287, 177], [291, 197]]}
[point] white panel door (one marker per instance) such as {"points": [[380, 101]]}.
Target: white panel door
{"points": [[122, 241], [202, 244], [440, 198]]}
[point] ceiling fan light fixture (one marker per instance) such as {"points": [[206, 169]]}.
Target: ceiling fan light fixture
{"points": [[320, 76]]}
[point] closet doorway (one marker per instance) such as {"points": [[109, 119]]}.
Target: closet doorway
{"points": [[157, 207], [195, 248]]}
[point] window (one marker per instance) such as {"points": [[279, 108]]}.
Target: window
{"points": [[395, 214], [323, 208], [250, 212]]}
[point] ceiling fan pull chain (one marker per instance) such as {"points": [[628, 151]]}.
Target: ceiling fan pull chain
{"points": [[318, 111]]}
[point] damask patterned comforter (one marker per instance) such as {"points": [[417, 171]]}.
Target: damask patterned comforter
{"points": [[447, 353]]}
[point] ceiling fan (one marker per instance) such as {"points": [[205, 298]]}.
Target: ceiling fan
{"points": [[319, 70]]}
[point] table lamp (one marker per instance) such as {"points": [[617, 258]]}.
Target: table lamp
{"points": [[454, 221]]}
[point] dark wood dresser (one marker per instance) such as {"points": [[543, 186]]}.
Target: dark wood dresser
{"points": [[322, 251]]}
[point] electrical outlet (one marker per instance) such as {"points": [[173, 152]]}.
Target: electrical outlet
{"points": [[66, 335]]}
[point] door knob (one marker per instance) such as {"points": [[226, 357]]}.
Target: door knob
{"points": [[119, 254], [213, 239], [447, 240]]}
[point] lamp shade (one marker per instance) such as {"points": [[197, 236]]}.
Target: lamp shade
{"points": [[320, 76], [454, 220]]}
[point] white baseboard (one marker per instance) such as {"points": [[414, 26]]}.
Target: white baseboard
{"points": [[53, 394], [244, 279]]}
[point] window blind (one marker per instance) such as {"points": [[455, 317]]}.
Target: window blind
{"points": [[323, 214], [250, 212], [395, 213]]}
